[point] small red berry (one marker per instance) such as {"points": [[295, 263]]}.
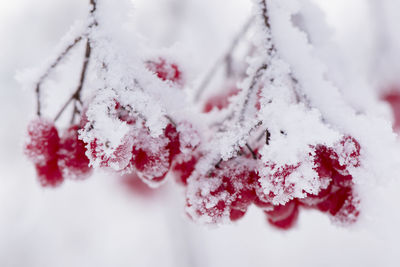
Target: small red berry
{"points": [[49, 173], [224, 193], [221, 100], [184, 167], [165, 71], [174, 144], [135, 185], [72, 158], [335, 201], [43, 141], [283, 216]]}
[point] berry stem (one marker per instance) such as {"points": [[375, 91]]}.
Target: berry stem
{"points": [[226, 58], [57, 61], [251, 151], [77, 94]]}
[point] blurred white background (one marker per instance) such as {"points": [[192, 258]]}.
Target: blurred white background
{"points": [[97, 222]]}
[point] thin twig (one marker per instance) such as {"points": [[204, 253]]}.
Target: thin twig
{"points": [[251, 151], [77, 94], [250, 91], [227, 58], [60, 57]]}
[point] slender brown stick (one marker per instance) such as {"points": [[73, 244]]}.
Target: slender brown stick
{"points": [[226, 58], [251, 151], [60, 57], [77, 94], [57, 61]]}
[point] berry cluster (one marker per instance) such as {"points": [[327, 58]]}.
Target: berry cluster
{"points": [[140, 153], [56, 157], [226, 192]]}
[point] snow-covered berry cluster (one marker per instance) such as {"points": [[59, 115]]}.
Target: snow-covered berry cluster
{"points": [[275, 129], [56, 157]]}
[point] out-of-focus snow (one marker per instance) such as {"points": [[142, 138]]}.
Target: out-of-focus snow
{"points": [[97, 223]]}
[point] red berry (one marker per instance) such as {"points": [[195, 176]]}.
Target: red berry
{"points": [[165, 71], [262, 204], [224, 193], [283, 216], [184, 167], [72, 159], [333, 162], [393, 98], [221, 100], [313, 200], [189, 138], [349, 212], [348, 152], [335, 200], [124, 114], [151, 157], [43, 141], [49, 173], [235, 214], [174, 144], [118, 160], [135, 185], [281, 189]]}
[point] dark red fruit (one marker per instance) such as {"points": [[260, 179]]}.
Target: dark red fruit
{"points": [[221, 100], [183, 168], [335, 200], [72, 158], [124, 114], [152, 166], [165, 71], [235, 214], [283, 216], [349, 212], [313, 200], [232, 191], [278, 177], [135, 185], [174, 144], [49, 173], [393, 98], [43, 141]]}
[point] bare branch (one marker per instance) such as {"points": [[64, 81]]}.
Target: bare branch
{"points": [[60, 57], [226, 58], [77, 94]]}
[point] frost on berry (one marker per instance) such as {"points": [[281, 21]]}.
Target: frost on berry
{"points": [[150, 156], [189, 138], [42, 147], [118, 159], [183, 167], [349, 211], [281, 184], [173, 145], [166, 71], [124, 114], [42, 142], [224, 193], [348, 151], [72, 158]]}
